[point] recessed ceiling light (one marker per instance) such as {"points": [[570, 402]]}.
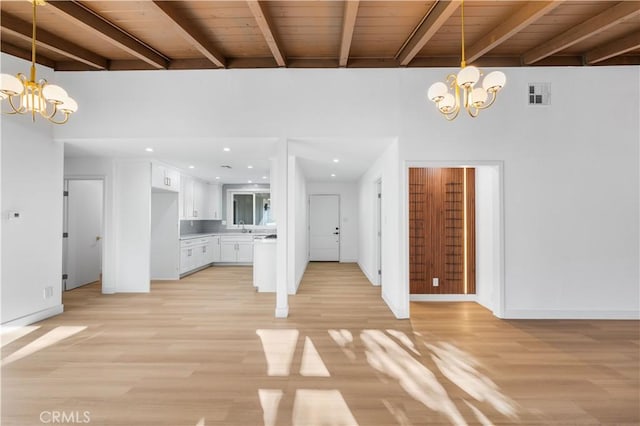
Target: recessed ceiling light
{"points": [[225, 149], [336, 160], [149, 149], [218, 177], [264, 177], [250, 181], [192, 167], [249, 167], [333, 175]]}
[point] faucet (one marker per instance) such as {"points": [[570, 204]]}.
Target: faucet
{"points": [[243, 228]]}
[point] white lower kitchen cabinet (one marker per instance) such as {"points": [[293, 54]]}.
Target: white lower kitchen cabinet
{"points": [[214, 249], [195, 253], [228, 252], [236, 249], [244, 252], [187, 259]]}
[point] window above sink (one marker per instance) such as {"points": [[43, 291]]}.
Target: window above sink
{"points": [[249, 208]]}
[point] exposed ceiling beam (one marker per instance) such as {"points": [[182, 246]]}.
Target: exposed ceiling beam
{"points": [[348, 24], [525, 16], [431, 23], [23, 30], [18, 52], [85, 18], [263, 19], [610, 17], [193, 34], [614, 48]]}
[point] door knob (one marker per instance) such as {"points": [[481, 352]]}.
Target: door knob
{"points": [[98, 238], [336, 233]]}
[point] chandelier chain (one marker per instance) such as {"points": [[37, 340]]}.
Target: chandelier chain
{"points": [[463, 63]]}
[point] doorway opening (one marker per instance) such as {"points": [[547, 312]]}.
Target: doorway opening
{"points": [[83, 230], [442, 231], [466, 217], [324, 228]]}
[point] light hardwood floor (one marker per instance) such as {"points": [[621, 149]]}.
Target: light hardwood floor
{"points": [[207, 351]]}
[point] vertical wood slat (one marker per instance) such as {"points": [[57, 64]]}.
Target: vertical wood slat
{"points": [[436, 230], [417, 255], [471, 230], [452, 278]]}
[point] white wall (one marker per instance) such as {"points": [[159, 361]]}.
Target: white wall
{"points": [[387, 169], [571, 179], [165, 245], [32, 185], [570, 185], [299, 224], [127, 220], [133, 226], [280, 206], [487, 198], [349, 215]]}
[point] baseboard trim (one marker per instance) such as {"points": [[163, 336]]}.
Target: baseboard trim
{"points": [[35, 317], [398, 313], [369, 277], [348, 260], [578, 315], [443, 298], [282, 312]]}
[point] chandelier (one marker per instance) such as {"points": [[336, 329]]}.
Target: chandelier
{"points": [[474, 99], [26, 95]]}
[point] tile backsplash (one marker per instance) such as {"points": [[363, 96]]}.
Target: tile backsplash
{"points": [[188, 227]]}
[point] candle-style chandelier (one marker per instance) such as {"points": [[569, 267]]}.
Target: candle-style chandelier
{"points": [[27, 95], [474, 99]]}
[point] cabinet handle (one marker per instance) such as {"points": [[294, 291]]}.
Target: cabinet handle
{"points": [[169, 180]]}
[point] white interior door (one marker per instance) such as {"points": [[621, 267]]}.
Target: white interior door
{"points": [[324, 228], [84, 228]]}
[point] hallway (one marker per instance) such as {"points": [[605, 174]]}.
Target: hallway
{"points": [[206, 350]]}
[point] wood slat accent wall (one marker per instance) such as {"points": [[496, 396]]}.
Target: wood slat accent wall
{"points": [[437, 230]]}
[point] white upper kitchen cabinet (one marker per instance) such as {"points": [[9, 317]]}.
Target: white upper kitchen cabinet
{"points": [[200, 199], [186, 195], [214, 202], [194, 197], [164, 177]]}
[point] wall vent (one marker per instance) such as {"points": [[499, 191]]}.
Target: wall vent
{"points": [[539, 93]]}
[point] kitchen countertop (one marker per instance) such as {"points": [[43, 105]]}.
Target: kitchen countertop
{"points": [[222, 234], [265, 240]]}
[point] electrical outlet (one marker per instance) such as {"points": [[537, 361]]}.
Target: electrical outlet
{"points": [[436, 282], [48, 292]]}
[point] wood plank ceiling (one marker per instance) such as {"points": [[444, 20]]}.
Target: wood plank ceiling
{"points": [[197, 34]]}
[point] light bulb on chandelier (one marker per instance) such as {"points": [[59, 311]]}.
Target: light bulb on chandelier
{"points": [[474, 98], [28, 95]]}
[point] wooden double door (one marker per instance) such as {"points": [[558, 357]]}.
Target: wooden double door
{"points": [[442, 230]]}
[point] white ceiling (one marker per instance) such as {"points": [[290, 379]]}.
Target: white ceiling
{"points": [[207, 155], [354, 157]]}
